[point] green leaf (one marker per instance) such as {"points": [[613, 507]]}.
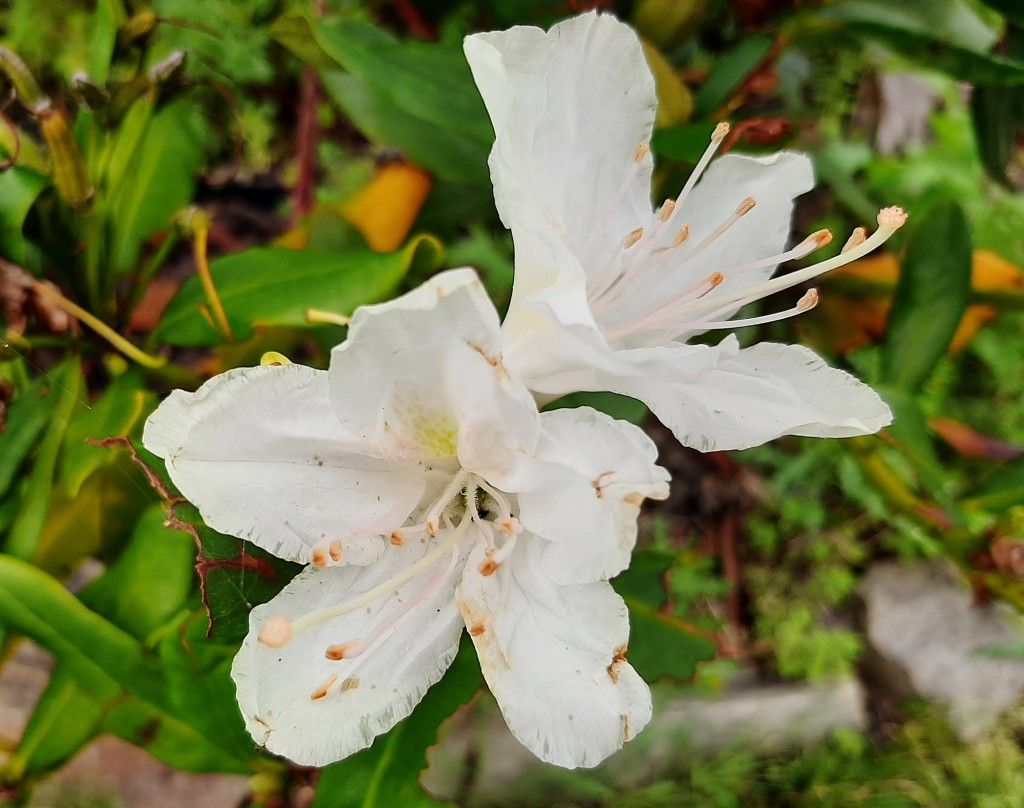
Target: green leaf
{"points": [[728, 72], [943, 36], [27, 417], [910, 432], [931, 296], [617, 406], [235, 574], [199, 684], [28, 524], [416, 96], [99, 655], [387, 774], [659, 644], [687, 143], [270, 286], [19, 188], [113, 668], [65, 719], [116, 412], [1003, 490], [950, 21], [1011, 9], [149, 583], [152, 174], [998, 115]]}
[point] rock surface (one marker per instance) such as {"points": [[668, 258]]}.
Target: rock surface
{"points": [[925, 632], [479, 763]]}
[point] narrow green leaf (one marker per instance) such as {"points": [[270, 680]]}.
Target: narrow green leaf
{"points": [[659, 644], [28, 525], [1003, 490], [417, 96], [97, 653], [387, 774], [27, 417], [931, 296], [116, 412], [270, 286], [65, 719], [728, 72], [910, 431], [20, 186]]}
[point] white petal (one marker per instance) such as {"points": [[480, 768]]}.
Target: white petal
{"points": [[751, 396], [552, 656], [261, 454], [372, 691], [423, 377], [600, 471], [569, 108]]}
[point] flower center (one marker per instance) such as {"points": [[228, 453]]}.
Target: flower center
{"points": [[468, 507], [637, 299]]}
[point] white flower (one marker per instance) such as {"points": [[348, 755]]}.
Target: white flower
{"points": [[430, 495], [607, 290]]}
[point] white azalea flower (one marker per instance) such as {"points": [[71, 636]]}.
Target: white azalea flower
{"points": [[430, 495], [608, 290]]}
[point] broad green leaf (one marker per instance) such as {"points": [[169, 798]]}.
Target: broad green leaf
{"points": [[931, 296], [270, 286], [65, 719], [295, 33], [170, 739], [686, 143], [943, 36], [728, 71], [659, 644], [116, 412], [156, 176], [417, 96], [235, 575], [28, 525], [951, 21], [149, 583], [199, 684], [387, 774], [19, 188]]}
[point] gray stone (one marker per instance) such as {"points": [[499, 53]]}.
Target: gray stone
{"points": [[925, 632], [479, 763]]}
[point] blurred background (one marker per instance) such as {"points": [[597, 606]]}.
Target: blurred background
{"points": [[188, 184]]}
